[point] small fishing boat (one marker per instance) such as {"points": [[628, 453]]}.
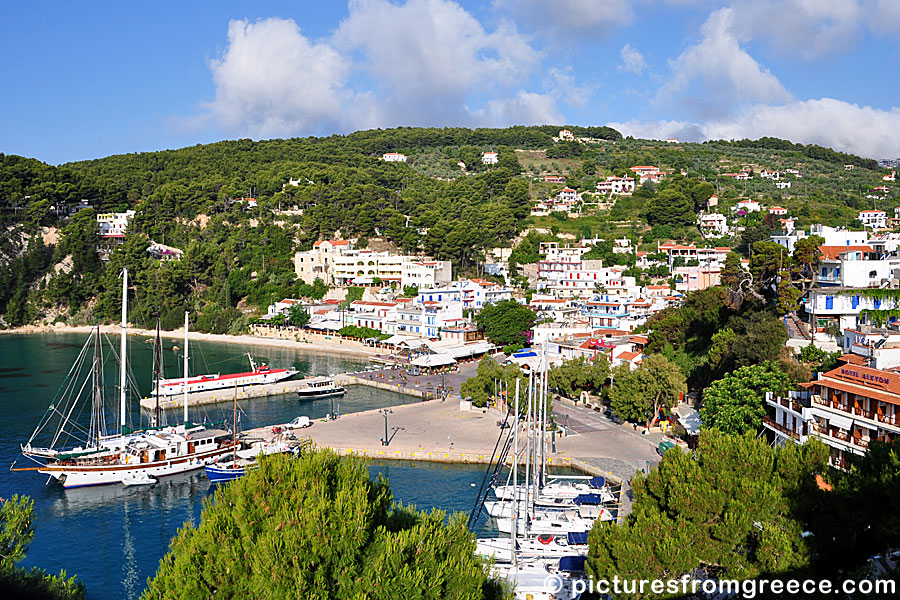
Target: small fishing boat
{"points": [[320, 387], [229, 470], [141, 478]]}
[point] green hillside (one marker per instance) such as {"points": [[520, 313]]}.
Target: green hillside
{"points": [[237, 257]]}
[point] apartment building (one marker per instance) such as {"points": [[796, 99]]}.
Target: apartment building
{"points": [[846, 408]]}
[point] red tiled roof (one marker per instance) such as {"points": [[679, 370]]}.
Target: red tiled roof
{"points": [[854, 359], [833, 252]]}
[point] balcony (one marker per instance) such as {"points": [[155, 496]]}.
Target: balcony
{"points": [[771, 424], [787, 403], [842, 436], [893, 420]]}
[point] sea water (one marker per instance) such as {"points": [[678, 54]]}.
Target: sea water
{"points": [[112, 537]]}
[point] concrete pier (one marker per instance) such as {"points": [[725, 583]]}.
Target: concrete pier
{"points": [[224, 395]]}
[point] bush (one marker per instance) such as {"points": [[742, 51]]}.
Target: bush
{"points": [[318, 527]]}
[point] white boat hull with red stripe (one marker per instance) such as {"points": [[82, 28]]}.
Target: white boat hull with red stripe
{"points": [[206, 383]]}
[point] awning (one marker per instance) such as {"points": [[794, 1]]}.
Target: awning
{"points": [[397, 339], [411, 343], [689, 419], [840, 422], [577, 538], [434, 360], [572, 564], [326, 325]]}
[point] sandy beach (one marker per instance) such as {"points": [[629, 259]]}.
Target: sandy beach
{"points": [[307, 342]]}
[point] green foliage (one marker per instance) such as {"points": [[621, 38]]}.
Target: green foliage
{"points": [[654, 387], [359, 332], [671, 207], [735, 404], [410, 291], [318, 527], [819, 360], [483, 385], [702, 335], [316, 291], [298, 316], [579, 374], [727, 509], [16, 533], [354, 294], [506, 322]]}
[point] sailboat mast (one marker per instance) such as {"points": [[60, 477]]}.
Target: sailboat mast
{"points": [[97, 408], [185, 369], [158, 370], [123, 349], [517, 501]]}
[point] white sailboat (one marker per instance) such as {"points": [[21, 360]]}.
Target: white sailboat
{"points": [[80, 456]]}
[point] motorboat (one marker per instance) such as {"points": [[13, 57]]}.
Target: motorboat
{"points": [[141, 478]]}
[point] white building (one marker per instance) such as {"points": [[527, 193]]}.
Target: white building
{"points": [[316, 263], [336, 262], [713, 225], [778, 210], [567, 195], [425, 273], [765, 174], [783, 185], [855, 267], [648, 173], [566, 135], [113, 225], [748, 206], [489, 158], [616, 185], [844, 307], [876, 219], [393, 157]]}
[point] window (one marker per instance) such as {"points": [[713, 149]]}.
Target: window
{"points": [[829, 302], [854, 302]]}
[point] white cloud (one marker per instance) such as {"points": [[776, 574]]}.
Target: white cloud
{"points": [[273, 81], [808, 28], [560, 83], [428, 56], [862, 130], [717, 73], [568, 17], [632, 60], [420, 63], [883, 16], [525, 108]]}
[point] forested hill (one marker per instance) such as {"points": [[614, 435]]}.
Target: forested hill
{"points": [[237, 256]]}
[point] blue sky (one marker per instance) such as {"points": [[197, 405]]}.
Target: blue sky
{"points": [[85, 80]]}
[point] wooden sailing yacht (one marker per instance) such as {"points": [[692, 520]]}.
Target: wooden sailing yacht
{"points": [[79, 456]]}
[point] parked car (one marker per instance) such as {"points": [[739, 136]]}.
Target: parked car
{"points": [[299, 423]]}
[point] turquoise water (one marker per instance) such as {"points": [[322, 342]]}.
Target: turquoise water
{"points": [[113, 537]]}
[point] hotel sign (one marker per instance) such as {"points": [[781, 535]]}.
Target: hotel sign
{"points": [[863, 376]]}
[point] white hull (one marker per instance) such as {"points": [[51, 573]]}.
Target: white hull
{"points": [[175, 387], [543, 525], [501, 548], [551, 491], [87, 475]]}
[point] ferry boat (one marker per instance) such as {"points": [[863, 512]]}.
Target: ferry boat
{"points": [[258, 375], [320, 387]]}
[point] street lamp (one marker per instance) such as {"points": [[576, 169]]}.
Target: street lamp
{"points": [[385, 441]]}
